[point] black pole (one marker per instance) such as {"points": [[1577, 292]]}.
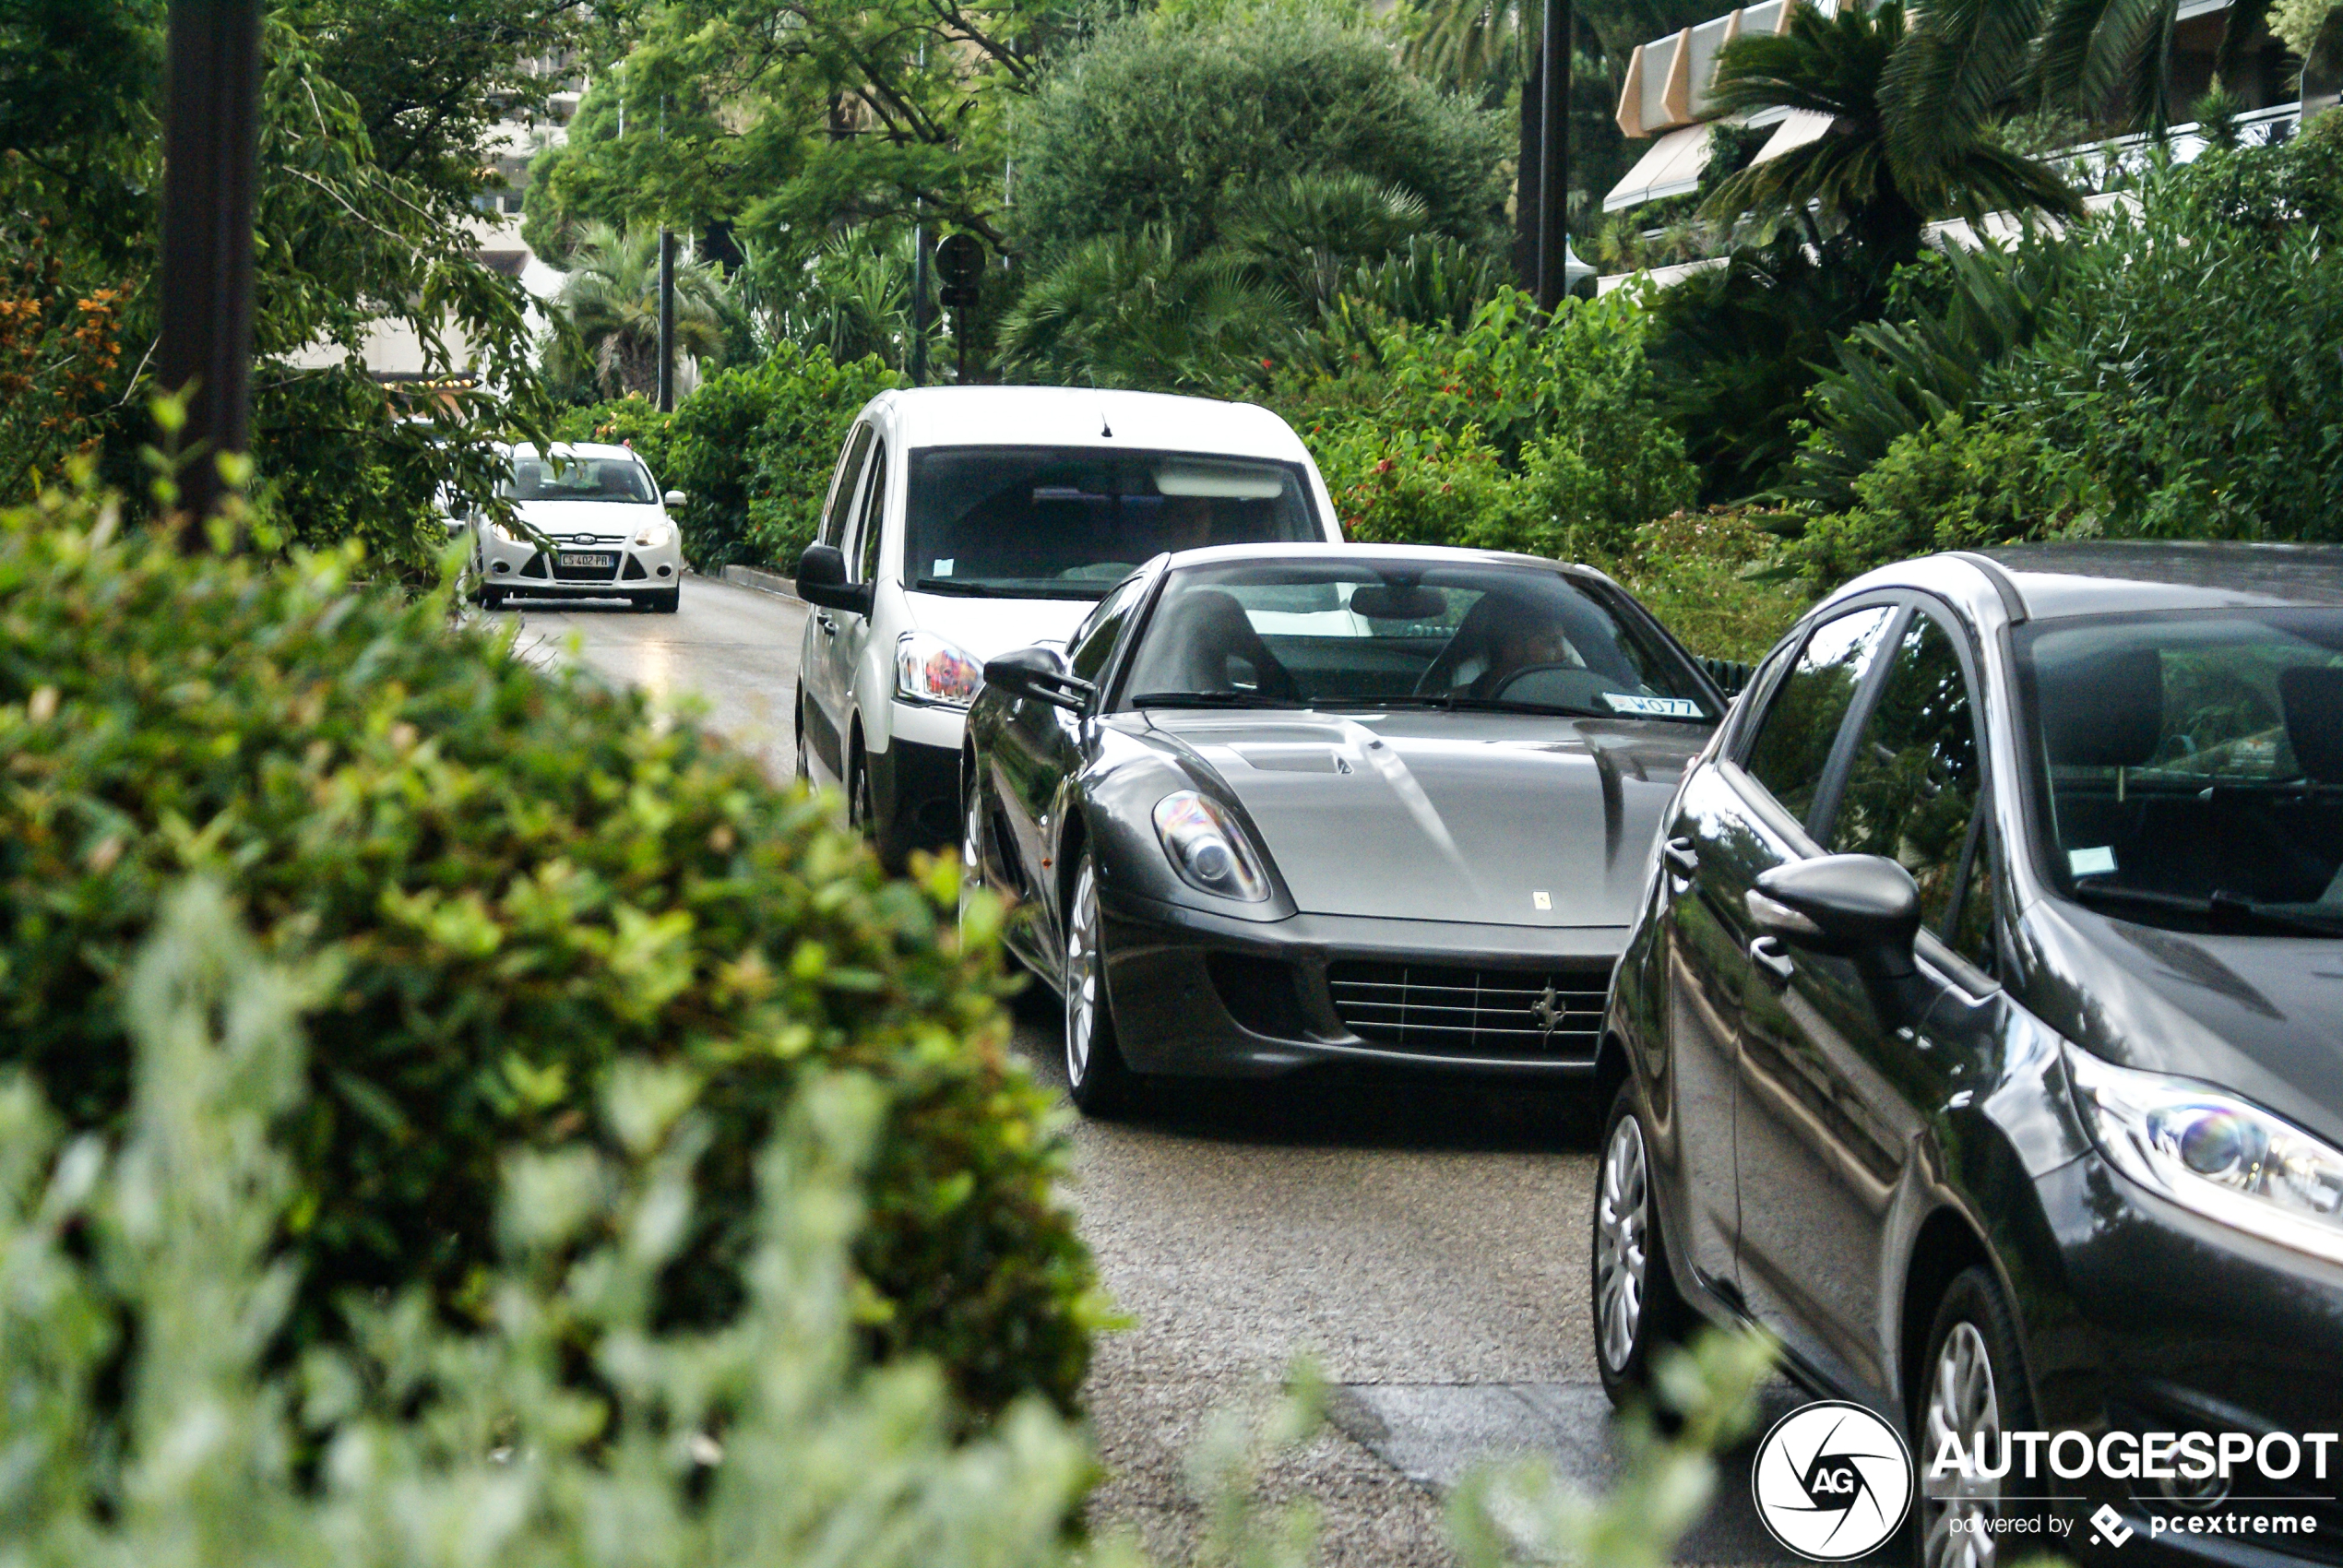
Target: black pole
{"points": [[210, 144], [666, 320], [1554, 157], [1526, 194]]}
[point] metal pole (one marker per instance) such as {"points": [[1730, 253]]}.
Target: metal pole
{"points": [[210, 144], [1553, 155], [919, 301], [666, 320]]}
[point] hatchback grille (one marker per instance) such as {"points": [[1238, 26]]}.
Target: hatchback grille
{"points": [[1551, 1013]]}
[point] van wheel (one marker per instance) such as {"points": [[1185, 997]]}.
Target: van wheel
{"points": [[863, 812], [1972, 1386], [1638, 1315]]}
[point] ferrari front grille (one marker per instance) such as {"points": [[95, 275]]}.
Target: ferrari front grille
{"points": [[1553, 1013]]}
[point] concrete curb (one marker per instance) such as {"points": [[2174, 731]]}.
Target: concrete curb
{"points": [[761, 580]]}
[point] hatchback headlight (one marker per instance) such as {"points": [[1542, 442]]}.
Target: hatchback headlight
{"points": [[2225, 1158], [1207, 849], [509, 534], [651, 536], [929, 670]]}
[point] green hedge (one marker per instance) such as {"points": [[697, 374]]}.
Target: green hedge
{"points": [[526, 881]]}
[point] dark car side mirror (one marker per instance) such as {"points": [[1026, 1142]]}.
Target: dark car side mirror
{"points": [[821, 579], [1040, 672], [1860, 907]]}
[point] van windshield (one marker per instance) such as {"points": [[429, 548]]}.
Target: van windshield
{"points": [[1044, 522], [2188, 768]]}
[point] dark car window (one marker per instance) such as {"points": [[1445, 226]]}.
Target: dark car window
{"points": [[1794, 742], [2188, 768], [1334, 630], [874, 517], [1913, 779], [842, 486], [1969, 930], [1071, 522], [1095, 641]]}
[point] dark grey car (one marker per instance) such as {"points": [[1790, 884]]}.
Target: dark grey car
{"points": [[1982, 1036], [1274, 808]]}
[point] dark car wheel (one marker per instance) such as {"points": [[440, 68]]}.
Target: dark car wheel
{"points": [[1095, 1074], [1972, 1385], [1638, 1312]]}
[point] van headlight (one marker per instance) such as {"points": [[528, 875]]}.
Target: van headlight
{"points": [[1208, 848], [929, 670], [651, 536], [2207, 1150]]}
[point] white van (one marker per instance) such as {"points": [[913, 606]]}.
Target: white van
{"points": [[965, 521]]}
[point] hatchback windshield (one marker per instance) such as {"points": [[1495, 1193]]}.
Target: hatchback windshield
{"points": [[1072, 522], [579, 478], [1395, 634], [2189, 768]]}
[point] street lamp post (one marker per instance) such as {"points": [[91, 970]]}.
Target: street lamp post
{"points": [[211, 145], [666, 320], [1553, 155]]}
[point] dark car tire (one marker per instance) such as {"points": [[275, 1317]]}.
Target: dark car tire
{"points": [[659, 604], [1638, 1315], [1098, 1080], [1971, 1378], [863, 812]]}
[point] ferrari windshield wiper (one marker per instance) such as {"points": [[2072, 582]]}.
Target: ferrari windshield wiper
{"points": [[1454, 702], [2220, 905], [1208, 699]]}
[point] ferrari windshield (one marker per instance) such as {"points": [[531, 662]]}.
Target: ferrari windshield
{"points": [[1071, 522], [1339, 633], [2189, 768]]}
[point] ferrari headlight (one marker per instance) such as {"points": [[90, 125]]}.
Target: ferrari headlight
{"points": [[1207, 849], [929, 670], [651, 536], [2225, 1158]]}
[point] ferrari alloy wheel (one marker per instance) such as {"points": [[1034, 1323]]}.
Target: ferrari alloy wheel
{"points": [[1973, 1391], [1623, 1211], [1095, 1076], [1638, 1312]]}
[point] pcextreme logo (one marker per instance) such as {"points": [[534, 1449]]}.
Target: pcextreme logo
{"points": [[1832, 1481]]}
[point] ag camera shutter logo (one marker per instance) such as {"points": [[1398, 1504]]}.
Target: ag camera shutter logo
{"points": [[1832, 1481]]}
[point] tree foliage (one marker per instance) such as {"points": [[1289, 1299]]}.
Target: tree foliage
{"points": [[606, 331]]}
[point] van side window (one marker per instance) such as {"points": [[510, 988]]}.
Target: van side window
{"points": [[1794, 740], [841, 497], [874, 518]]}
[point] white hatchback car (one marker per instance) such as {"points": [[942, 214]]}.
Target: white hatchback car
{"points": [[965, 521], [607, 523]]}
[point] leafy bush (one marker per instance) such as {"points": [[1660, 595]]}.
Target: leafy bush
{"points": [[1952, 485], [1518, 432], [631, 420], [752, 449], [144, 1294], [527, 884], [1714, 578], [1128, 310], [1163, 125]]}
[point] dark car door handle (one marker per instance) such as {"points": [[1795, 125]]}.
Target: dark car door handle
{"points": [[830, 627], [1767, 955], [1681, 858]]}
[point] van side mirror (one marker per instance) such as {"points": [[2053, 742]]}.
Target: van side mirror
{"points": [[821, 579], [1040, 672], [1860, 907]]}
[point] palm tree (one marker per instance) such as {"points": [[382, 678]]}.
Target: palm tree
{"points": [[609, 306], [1131, 310], [1879, 188]]}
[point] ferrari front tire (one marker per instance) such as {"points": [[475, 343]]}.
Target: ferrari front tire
{"points": [[1097, 1078]]}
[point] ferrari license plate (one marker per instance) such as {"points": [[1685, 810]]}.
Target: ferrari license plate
{"points": [[568, 558]]}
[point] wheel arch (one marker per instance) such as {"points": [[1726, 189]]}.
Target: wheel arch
{"points": [[1945, 1245]]}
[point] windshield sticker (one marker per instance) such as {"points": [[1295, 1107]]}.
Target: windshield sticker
{"points": [[942, 566], [1653, 708], [2096, 862]]}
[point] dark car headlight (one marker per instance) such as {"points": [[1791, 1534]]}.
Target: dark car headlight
{"points": [[2207, 1151], [1209, 850]]}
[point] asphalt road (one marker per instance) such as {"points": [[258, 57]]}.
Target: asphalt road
{"points": [[1424, 1242]]}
